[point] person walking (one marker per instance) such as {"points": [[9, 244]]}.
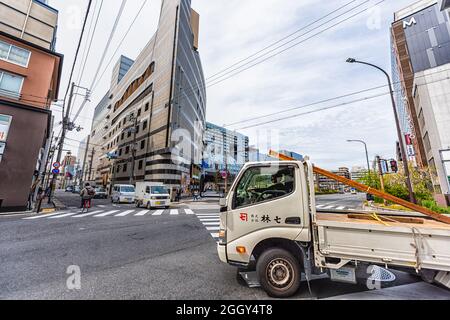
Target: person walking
{"points": [[87, 194]]}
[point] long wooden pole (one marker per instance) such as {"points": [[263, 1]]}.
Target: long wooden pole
{"points": [[372, 191]]}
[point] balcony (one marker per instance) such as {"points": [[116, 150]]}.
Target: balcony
{"points": [[33, 21]]}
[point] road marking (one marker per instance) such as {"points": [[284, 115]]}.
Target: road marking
{"points": [[64, 215], [209, 219], [123, 214], [208, 214], [329, 207], [213, 228], [320, 206], [142, 213], [101, 206], [211, 223], [158, 212], [215, 235], [174, 212], [340, 208], [87, 214], [188, 211], [106, 213], [42, 216]]}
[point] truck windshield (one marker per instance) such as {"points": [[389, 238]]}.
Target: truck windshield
{"points": [[159, 190], [126, 189]]}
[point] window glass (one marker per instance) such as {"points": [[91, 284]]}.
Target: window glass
{"points": [[19, 56], [261, 184], [4, 50], [159, 190], [10, 84], [126, 189]]}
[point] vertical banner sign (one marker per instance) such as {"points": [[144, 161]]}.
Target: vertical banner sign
{"points": [[409, 146], [5, 123]]}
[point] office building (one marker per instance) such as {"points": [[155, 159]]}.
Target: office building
{"points": [[421, 61], [156, 114]]}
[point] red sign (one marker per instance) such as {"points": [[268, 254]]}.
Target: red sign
{"points": [[408, 139], [244, 217]]}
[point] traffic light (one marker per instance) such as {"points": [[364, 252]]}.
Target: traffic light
{"points": [[394, 166]]}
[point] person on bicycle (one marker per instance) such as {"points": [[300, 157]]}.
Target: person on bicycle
{"points": [[87, 194]]}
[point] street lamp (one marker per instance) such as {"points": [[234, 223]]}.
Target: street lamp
{"points": [[367, 153], [397, 122]]}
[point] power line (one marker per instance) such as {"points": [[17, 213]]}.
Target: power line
{"points": [[120, 44], [111, 35], [281, 40]]}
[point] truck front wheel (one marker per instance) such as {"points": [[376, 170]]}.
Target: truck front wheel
{"points": [[279, 273]]}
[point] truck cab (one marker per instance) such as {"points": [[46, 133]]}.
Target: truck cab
{"points": [[152, 195]]}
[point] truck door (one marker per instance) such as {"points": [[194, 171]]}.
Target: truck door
{"points": [[264, 197]]}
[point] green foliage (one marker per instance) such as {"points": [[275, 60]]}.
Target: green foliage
{"points": [[433, 206]]}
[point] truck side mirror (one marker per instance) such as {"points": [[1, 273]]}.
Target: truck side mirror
{"points": [[223, 202]]}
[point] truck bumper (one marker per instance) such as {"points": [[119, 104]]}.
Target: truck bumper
{"points": [[159, 203], [222, 251]]}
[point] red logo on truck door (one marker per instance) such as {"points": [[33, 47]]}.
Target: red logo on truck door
{"points": [[244, 217]]}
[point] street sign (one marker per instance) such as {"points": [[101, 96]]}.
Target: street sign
{"points": [[56, 165], [55, 171], [224, 174]]}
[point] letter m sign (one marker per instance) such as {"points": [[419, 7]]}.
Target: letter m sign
{"points": [[409, 23]]}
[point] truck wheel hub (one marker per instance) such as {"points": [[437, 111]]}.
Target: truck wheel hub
{"points": [[279, 273]]}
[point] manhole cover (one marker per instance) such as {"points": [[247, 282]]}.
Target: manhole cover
{"points": [[380, 274]]}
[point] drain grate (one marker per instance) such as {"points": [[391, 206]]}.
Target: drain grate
{"points": [[381, 274]]}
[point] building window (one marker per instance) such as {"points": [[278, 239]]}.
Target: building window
{"points": [[118, 168], [141, 164], [147, 105], [127, 149], [139, 112], [10, 84], [142, 144], [13, 54], [144, 125], [137, 129], [124, 121], [129, 134], [120, 152], [125, 167]]}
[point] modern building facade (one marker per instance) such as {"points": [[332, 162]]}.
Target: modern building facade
{"points": [[29, 82], [225, 150], [156, 115], [421, 64], [327, 184]]}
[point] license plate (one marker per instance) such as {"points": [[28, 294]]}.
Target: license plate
{"points": [[158, 203], [129, 199]]}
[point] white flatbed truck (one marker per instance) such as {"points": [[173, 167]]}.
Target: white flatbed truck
{"points": [[269, 222]]}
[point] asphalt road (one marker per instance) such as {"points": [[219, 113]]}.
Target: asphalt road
{"points": [[166, 256], [341, 201]]}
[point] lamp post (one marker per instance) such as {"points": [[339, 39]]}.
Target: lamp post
{"points": [[397, 122], [367, 153]]}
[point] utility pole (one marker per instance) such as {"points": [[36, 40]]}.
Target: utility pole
{"points": [[380, 169], [83, 167], [90, 164], [134, 119], [65, 126]]}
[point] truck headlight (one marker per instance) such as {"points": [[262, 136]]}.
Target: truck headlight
{"points": [[153, 198], [222, 236]]}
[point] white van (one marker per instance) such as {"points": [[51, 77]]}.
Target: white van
{"points": [[152, 195], [123, 193]]}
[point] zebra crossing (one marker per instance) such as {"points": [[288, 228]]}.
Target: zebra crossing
{"points": [[114, 212], [211, 221], [334, 207]]}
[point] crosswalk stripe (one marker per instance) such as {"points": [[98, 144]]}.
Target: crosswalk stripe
{"points": [[173, 212], [213, 228], [340, 208], [42, 216], [215, 235], [158, 212], [101, 206], [208, 214], [210, 219], [142, 213], [87, 214], [64, 215], [106, 213], [211, 223], [320, 206], [329, 207], [123, 214], [188, 211]]}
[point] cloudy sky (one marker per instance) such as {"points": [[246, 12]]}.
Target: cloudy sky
{"points": [[314, 70]]}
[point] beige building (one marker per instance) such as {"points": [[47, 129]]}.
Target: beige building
{"points": [[156, 113]]}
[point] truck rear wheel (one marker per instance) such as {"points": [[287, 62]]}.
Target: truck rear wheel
{"points": [[279, 273]]}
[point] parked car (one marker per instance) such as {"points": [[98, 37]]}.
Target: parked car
{"points": [[123, 193], [100, 193], [69, 189], [76, 189], [152, 195]]}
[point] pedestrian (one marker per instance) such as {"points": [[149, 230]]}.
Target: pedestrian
{"points": [[87, 194], [178, 196], [196, 195]]}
